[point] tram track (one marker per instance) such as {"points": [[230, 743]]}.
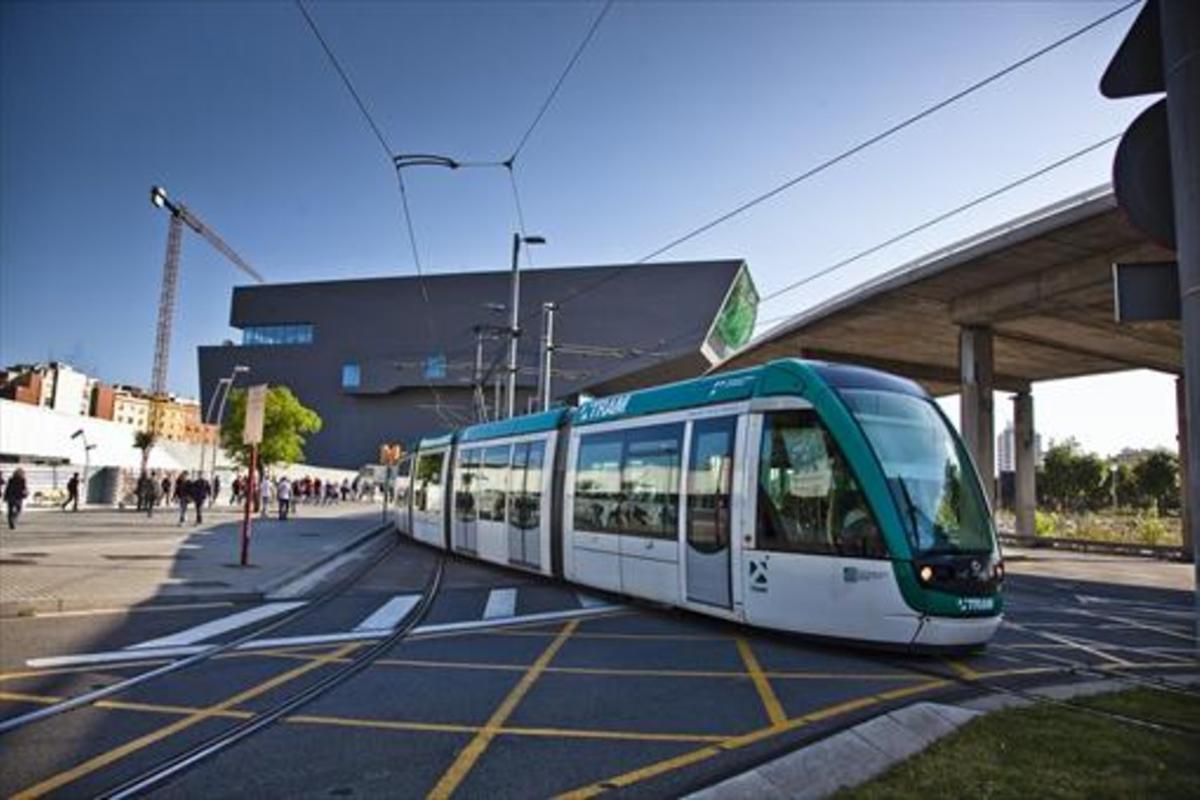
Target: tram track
{"points": [[174, 766], [15, 723]]}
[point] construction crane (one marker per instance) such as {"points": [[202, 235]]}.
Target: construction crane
{"points": [[180, 214]]}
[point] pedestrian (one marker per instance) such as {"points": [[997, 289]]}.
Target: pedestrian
{"points": [[151, 490], [72, 493], [283, 492], [15, 492], [216, 489], [199, 492], [236, 490], [182, 495], [265, 495], [345, 489], [166, 489]]}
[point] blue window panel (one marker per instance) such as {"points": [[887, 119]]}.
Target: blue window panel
{"points": [[350, 376], [301, 333]]}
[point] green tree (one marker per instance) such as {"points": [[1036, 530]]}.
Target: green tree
{"points": [[144, 441], [286, 422], [1157, 479], [1071, 479]]}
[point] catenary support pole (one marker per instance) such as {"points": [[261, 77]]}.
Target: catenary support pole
{"points": [[1180, 24], [514, 330], [548, 355]]}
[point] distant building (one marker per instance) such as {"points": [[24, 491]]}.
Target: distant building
{"points": [[179, 421], [389, 360], [53, 385], [1006, 450]]}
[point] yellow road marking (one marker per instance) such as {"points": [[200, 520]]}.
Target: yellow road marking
{"points": [[633, 636], [963, 670], [770, 702], [382, 724], [696, 756], [471, 753], [554, 733], [117, 753], [155, 708], [17, 697]]}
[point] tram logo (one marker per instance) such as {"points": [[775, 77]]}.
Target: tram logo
{"points": [[604, 407], [758, 576]]}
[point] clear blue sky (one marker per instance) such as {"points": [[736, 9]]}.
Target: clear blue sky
{"points": [[676, 112]]}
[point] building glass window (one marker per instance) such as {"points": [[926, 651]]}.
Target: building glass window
{"points": [[628, 482], [808, 500], [350, 376], [296, 333]]}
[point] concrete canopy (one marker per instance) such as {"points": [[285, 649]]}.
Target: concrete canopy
{"points": [[1042, 283]]}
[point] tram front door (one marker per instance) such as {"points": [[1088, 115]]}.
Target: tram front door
{"points": [[709, 516]]}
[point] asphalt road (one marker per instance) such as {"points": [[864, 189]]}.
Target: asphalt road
{"points": [[630, 701]]}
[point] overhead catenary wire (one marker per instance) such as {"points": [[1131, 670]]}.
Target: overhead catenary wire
{"points": [[561, 79], [909, 232], [406, 210], [907, 122]]}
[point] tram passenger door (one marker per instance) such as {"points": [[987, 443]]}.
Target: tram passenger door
{"points": [[709, 511], [516, 500], [525, 499]]}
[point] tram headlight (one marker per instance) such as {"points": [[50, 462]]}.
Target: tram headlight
{"points": [[925, 573]]}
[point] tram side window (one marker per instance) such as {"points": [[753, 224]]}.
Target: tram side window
{"points": [[428, 492], [464, 486], [525, 494], [808, 500], [493, 483], [628, 482], [650, 481], [598, 482], [710, 479]]}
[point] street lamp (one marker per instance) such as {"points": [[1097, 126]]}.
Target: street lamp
{"points": [[87, 459], [514, 330], [227, 383]]}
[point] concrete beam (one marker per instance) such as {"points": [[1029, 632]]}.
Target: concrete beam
{"points": [[1025, 458], [1026, 296], [1118, 362], [976, 365]]}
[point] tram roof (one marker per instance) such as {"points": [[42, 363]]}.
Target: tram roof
{"points": [[517, 426]]}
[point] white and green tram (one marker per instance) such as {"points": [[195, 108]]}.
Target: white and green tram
{"points": [[801, 496]]}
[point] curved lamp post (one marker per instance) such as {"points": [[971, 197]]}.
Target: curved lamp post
{"points": [[227, 383]]}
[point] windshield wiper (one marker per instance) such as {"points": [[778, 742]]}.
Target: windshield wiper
{"points": [[912, 513]]}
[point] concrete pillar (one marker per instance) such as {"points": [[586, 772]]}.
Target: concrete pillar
{"points": [[1185, 516], [1025, 457], [978, 424]]}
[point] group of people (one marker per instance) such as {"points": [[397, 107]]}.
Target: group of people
{"points": [[183, 491], [290, 492]]}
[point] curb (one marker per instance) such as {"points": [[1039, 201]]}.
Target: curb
{"points": [[28, 608], [856, 755]]}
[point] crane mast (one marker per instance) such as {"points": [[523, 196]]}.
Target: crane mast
{"points": [[180, 214]]}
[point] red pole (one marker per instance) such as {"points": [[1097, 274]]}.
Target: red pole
{"points": [[251, 493]]}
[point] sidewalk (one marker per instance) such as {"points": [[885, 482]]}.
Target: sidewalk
{"points": [[110, 559], [1094, 568]]}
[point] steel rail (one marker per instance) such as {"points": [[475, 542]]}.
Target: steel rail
{"points": [[15, 723], [170, 768]]}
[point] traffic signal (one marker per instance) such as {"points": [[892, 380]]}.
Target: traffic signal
{"points": [[1142, 167]]}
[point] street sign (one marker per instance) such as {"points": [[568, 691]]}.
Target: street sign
{"points": [[256, 404], [1146, 292]]}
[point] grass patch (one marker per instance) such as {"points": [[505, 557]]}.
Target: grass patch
{"points": [[1050, 751]]}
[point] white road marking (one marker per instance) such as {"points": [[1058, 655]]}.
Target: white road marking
{"points": [[218, 626], [500, 603], [116, 655], [325, 638], [590, 600], [388, 615], [93, 612]]}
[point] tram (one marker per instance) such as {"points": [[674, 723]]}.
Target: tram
{"points": [[803, 496]]}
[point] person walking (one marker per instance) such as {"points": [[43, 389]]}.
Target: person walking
{"points": [[72, 493], [15, 492], [151, 493], [182, 495], [283, 493], [265, 496], [199, 492], [166, 489], [216, 490]]}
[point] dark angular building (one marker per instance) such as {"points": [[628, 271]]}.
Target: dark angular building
{"points": [[381, 363]]}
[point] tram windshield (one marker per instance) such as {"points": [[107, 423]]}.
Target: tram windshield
{"points": [[928, 470]]}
